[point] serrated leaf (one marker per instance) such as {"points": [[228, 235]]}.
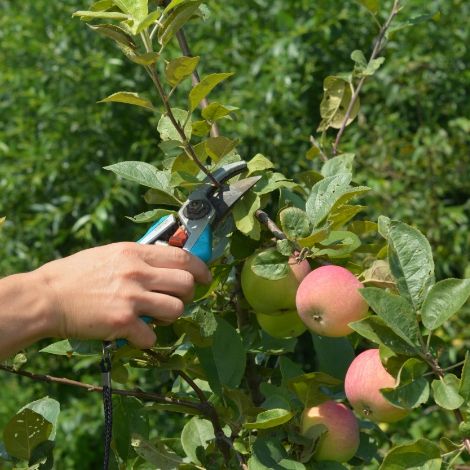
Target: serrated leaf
{"points": [[446, 392], [128, 97], [150, 216], [341, 164], [215, 111], [73, 347], [142, 173], [159, 456], [270, 264], [180, 68], [374, 329], [109, 15], [244, 215], [175, 18], [114, 32], [204, 87], [259, 163], [270, 419], [324, 195], [412, 389], [396, 311], [418, 455], [411, 261], [169, 132], [444, 299], [295, 223], [24, 432], [218, 147]]}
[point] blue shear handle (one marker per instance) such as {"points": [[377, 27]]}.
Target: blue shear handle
{"points": [[202, 249]]}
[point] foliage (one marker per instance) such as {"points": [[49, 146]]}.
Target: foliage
{"points": [[213, 355]]}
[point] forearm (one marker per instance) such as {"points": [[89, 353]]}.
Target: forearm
{"points": [[24, 312]]}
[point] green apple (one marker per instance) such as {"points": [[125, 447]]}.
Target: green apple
{"points": [[268, 296], [341, 440], [365, 377], [285, 325], [328, 299]]}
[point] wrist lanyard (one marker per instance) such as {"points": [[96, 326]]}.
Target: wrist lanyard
{"points": [[105, 366]]}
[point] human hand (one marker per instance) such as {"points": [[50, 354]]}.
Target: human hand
{"points": [[101, 293]]}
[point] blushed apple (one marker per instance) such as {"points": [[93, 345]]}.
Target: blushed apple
{"points": [[285, 325], [341, 441], [270, 296], [328, 299], [365, 377]]}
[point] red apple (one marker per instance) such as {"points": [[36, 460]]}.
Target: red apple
{"points": [[341, 441], [268, 296], [364, 379], [328, 299]]}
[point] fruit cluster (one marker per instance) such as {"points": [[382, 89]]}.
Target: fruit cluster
{"points": [[324, 300]]}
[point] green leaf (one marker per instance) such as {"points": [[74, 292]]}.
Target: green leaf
{"points": [[259, 163], [142, 173], [180, 68], [337, 97], [341, 216], [224, 361], [444, 299], [73, 347], [338, 244], [49, 409], [372, 5], [218, 147], [270, 419], [359, 58], [324, 195], [295, 223], [333, 355], [446, 392], [206, 85], [174, 19], [24, 432], [201, 128], [215, 111], [128, 98], [159, 456], [168, 131], [196, 433], [269, 454], [114, 32], [411, 261], [418, 455], [315, 237], [273, 181], [270, 264], [396, 311], [102, 5], [129, 417], [150, 216], [340, 164], [157, 196], [206, 320], [464, 389], [375, 329], [412, 389], [244, 215], [144, 59], [149, 20], [136, 9], [109, 15], [310, 388]]}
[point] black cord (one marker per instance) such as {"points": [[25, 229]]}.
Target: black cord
{"points": [[107, 402]]}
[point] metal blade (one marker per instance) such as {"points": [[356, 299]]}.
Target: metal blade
{"points": [[225, 197]]}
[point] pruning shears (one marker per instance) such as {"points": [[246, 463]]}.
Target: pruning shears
{"points": [[193, 226]]}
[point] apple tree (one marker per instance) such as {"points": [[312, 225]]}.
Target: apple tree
{"points": [[320, 329]]}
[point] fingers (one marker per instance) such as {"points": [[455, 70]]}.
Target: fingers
{"points": [[162, 256], [174, 282], [161, 307], [141, 335]]}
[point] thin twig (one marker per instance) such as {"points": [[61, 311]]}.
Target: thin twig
{"points": [[95, 388], [270, 224], [379, 44]]}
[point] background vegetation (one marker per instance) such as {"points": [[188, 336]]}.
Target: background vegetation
{"points": [[411, 140]]}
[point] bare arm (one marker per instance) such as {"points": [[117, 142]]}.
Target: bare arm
{"points": [[98, 293]]}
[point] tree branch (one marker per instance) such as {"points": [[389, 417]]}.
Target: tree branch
{"points": [[95, 388], [378, 46]]}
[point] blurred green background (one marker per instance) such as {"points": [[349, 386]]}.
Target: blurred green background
{"points": [[412, 137]]}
